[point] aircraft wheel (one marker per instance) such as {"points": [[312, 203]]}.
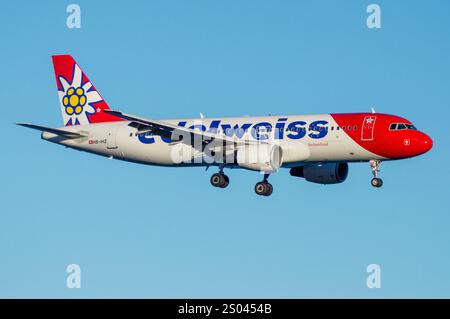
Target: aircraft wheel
{"points": [[219, 180], [376, 182], [263, 189], [226, 181], [269, 189]]}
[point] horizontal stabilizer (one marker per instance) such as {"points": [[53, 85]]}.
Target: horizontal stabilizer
{"points": [[56, 131]]}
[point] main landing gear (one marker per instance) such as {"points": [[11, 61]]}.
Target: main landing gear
{"points": [[376, 181], [220, 180], [264, 188]]}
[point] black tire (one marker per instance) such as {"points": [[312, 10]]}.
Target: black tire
{"points": [[219, 180], [269, 189], [261, 188], [216, 180], [225, 182], [376, 182]]}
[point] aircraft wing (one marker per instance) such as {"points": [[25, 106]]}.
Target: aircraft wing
{"points": [[56, 131], [166, 130]]}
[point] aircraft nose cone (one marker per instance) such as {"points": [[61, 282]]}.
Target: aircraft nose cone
{"points": [[427, 143], [422, 144]]}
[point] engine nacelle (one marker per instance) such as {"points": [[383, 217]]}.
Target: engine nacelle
{"points": [[260, 157], [322, 173]]}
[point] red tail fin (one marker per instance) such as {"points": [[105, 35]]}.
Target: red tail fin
{"points": [[80, 101]]}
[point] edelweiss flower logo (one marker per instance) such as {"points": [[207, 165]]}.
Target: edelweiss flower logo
{"points": [[77, 98], [74, 100]]}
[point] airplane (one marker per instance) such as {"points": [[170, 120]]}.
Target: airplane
{"points": [[316, 147]]}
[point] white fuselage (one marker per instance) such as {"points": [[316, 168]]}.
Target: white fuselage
{"points": [[305, 138]]}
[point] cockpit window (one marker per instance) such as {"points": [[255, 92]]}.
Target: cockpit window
{"points": [[401, 126], [410, 127]]}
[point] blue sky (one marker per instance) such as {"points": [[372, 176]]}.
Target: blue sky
{"points": [[142, 231]]}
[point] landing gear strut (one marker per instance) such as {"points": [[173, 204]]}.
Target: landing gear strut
{"points": [[220, 179], [376, 181], [264, 188]]}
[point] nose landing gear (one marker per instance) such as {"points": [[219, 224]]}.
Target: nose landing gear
{"points": [[264, 188], [376, 181]]}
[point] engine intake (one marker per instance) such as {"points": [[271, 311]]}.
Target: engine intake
{"points": [[322, 173]]}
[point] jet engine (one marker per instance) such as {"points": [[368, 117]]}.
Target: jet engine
{"points": [[322, 173], [260, 157]]}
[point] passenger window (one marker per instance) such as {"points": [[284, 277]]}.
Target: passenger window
{"points": [[355, 127], [349, 128]]}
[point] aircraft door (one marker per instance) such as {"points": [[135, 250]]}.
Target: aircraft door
{"points": [[368, 127], [111, 139]]}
